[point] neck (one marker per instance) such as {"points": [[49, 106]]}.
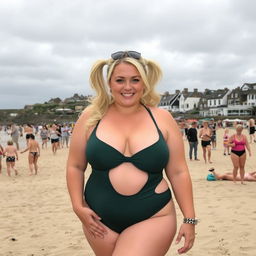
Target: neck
{"points": [[127, 110]]}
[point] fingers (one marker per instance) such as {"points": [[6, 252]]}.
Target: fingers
{"points": [[187, 245], [178, 238]]}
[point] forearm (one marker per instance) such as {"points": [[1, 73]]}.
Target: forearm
{"points": [[182, 188], [75, 184]]}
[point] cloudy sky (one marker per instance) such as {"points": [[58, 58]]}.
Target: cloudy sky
{"points": [[47, 47]]}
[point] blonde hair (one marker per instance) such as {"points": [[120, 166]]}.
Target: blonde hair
{"points": [[150, 73], [239, 127]]}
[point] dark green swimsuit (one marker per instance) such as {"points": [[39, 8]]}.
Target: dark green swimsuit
{"points": [[120, 211]]}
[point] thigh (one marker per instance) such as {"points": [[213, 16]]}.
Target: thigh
{"points": [[151, 237], [235, 160], [242, 160], [105, 246], [30, 158]]}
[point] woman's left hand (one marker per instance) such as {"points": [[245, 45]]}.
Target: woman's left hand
{"points": [[188, 231]]}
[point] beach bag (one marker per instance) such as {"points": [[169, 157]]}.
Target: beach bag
{"points": [[211, 177]]}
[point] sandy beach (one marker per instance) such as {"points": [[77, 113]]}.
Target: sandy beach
{"points": [[36, 217]]}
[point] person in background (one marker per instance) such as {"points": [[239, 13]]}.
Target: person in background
{"points": [[33, 154], [193, 141], [21, 130], [1, 156], [15, 135], [250, 176], [65, 133], [44, 134], [225, 142], [205, 134], [58, 129], [213, 128], [251, 126], [10, 152], [54, 136], [238, 143], [28, 130]]}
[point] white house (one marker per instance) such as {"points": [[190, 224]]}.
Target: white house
{"points": [[189, 100]]}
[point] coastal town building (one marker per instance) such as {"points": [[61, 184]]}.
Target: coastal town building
{"points": [[214, 102], [189, 100], [170, 101], [240, 101]]}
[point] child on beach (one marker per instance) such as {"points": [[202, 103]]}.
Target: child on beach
{"points": [[34, 153], [11, 155], [1, 155], [225, 142]]}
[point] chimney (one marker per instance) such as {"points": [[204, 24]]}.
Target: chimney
{"points": [[185, 90], [196, 90], [177, 91]]}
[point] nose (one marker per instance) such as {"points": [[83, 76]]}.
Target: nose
{"points": [[127, 85]]}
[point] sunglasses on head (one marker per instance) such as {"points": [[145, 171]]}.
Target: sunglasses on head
{"points": [[122, 54]]}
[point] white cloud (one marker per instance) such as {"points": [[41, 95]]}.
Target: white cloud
{"points": [[47, 47]]}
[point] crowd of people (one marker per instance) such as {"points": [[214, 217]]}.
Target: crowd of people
{"points": [[57, 134], [235, 145]]}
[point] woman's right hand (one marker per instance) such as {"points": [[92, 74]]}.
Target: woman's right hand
{"points": [[91, 221]]}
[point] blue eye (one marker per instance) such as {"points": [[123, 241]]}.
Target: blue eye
{"points": [[119, 80], [136, 80]]}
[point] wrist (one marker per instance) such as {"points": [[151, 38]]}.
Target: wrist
{"points": [[192, 221]]}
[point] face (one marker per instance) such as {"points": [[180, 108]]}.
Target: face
{"points": [[126, 85], [205, 124], [239, 130]]}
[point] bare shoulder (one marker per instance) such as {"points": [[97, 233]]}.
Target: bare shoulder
{"points": [[162, 114]]}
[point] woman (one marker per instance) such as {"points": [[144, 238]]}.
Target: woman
{"points": [[238, 143], [225, 142], [250, 176], [11, 154], [15, 135], [44, 134], [54, 136], [205, 134], [252, 130], [34, 153], [127, 207], [29, 130]]}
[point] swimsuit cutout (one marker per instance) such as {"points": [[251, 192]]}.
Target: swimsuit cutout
{"points": [[119, 211]]}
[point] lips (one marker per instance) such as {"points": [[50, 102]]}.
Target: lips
{"points": [[127, 94]]}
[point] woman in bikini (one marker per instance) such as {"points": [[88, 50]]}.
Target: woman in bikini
{"points": [[238, 143], [34, 153], [29, 130], [10, 152], [205, 134]]}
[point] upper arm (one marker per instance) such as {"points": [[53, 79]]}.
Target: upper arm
{"points": [[77, 157], [174, 140]]}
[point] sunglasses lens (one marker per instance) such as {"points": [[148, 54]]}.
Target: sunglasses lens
{"points": [[133, 54], [117, 55]]}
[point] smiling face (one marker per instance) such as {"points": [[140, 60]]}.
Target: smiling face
{"points": [[126, 85]]}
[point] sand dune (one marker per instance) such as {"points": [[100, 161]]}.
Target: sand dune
{"points": [[36, 216]]}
